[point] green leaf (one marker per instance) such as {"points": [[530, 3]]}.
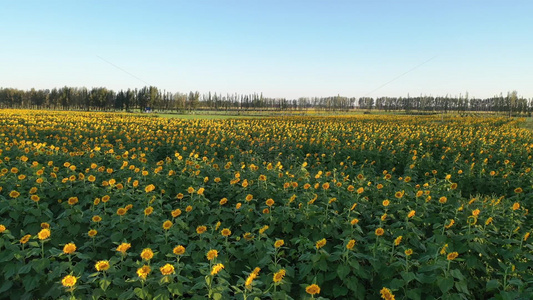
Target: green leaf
{"points": [[217, 296], [340, 291], [126, 295], [396, 283], [10, 270], [40, 265], [104, 283], [6, 286], [445, 284], [116, 236], [73, 229], [343, 271], [141, 293], [36, 212], [31, 282], [161, 295], [25, 268], [408, 276], [414, 294], [462, 287], [175, 288], [304, 270], [492, 285], [457, 274]]}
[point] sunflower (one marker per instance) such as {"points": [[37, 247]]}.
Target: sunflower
{"points": [[149, 188], [225, 232], [102, 265], [147, 254], [452, 221], [143, 272], [69, 281], [398, 240], [312, 289], [279, 243], [176, 213], [452, 256], [122, 248], [25, 239], [216, 268], [278, 276], [179, 250], [69, 248], [167, 269], [201, 229], [263, 229], [321, 243], [167, 224], [92, 233], [212, 254], [386, 294], [350, 245], [72, 200], [44, 234], [379, 231]]}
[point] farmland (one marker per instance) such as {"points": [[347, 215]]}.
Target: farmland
{"points": [[103, 205]]}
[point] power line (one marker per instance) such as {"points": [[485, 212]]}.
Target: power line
{"points": [[397, 77], [122, 69]]}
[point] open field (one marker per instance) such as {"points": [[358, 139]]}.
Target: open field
{"points": [[117, 206]]}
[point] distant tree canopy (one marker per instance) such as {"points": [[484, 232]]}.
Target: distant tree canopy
{"points": [[101, 98]]}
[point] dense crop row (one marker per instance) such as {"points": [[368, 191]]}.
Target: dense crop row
{"points": [[118, 206]]}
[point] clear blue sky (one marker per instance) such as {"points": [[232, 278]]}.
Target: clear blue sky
{"points": [[281, 48]]}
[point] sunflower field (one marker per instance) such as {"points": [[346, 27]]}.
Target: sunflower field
{"points": [[118, 206]]}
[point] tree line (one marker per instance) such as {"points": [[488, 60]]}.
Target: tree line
{"points": [[152, 98]]}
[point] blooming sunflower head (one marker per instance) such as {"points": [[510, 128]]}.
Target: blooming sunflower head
{"points": [[44, 234], [167, 224], [167, 269], [321, 243], [225, 232], [69, 281], [312, 289], [69, 248], [102, 265], [212, 254], [143, 272], [179, 250], [147, 254]]}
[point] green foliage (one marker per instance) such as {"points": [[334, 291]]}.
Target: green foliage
{"points": [[458, 195]]}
